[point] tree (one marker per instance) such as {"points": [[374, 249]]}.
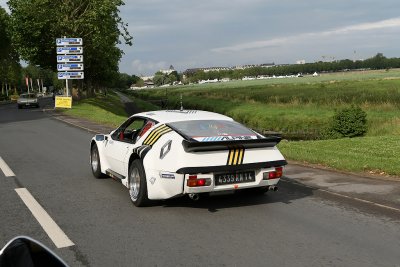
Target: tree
{"points": [[9, 60], [35, 25]]}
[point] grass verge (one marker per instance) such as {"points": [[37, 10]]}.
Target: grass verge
{"points": [[373, 155], [107, 110]]}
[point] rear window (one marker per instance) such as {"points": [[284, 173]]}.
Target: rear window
{"points": [[213, 130]]}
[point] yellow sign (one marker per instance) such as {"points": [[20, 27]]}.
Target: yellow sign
{"points": [[63, 102]]}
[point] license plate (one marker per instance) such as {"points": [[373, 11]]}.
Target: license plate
{"points": [[234, 178]]}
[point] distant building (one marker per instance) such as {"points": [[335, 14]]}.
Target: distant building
{"points": [[301, 61], [169, 71], [147, 78], [208, 69]]}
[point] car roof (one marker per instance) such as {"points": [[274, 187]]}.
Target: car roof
{"points": [[166, 116]]}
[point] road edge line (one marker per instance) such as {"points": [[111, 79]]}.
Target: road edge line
{"points": [[341, 195]]}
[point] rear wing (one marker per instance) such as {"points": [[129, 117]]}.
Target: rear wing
{"points": [[196, 146]]}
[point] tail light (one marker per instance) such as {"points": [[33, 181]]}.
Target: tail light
{"points": [[277, 173], [194, 181]]}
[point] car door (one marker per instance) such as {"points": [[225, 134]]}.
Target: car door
{"points": [[120, 146]]}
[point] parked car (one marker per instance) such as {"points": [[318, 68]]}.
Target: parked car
{"points": [[28, 100], [170, 153]]}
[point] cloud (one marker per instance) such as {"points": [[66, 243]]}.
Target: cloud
{"points": [[143, 68], [384, 24]]}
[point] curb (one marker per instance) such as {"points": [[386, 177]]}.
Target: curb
{"points": [[391, 178], [65, 119]]}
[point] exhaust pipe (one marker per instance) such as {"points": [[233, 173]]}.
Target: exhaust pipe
{"points": [[194, 196], [273, 188]]}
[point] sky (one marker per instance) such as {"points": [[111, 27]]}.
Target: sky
{"points": [[225, 33]]}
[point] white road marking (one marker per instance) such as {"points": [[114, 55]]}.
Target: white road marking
{"points": [[6, 170], [361, 200], [348, 197], [59, 238]]}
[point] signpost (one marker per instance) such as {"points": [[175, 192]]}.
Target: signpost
{"points": [[69, 41], [63, 102], [70, 65], [70, 58], [72, 50], [70, 75]]}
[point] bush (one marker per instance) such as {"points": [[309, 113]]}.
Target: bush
{"points": [[348, 122]]}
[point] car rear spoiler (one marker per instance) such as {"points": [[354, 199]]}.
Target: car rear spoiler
{"points": [[196, 146]]}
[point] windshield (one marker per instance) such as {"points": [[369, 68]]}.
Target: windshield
{"points": [[213, 130], [28, 96]]}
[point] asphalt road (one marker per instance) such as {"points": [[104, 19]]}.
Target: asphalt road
{"points": [[296, 226]]}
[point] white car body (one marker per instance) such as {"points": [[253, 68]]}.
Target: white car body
{"points": [[27, 100], [170, 158]]}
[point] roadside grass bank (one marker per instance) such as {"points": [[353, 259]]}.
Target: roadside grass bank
{"points": [[142, 104], [293, 108], [302, 110], [103, 109], [372, 155]]}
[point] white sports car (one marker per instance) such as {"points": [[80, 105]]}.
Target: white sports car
{"points": [[170, 153]]}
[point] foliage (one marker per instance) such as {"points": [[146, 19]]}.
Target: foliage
{"points": [[161, 78], [124, 81], [48, 77], [35, 25], [376, 62], [9, 61], [348, 122]]}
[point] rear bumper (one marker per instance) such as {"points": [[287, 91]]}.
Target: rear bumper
{"points": [[232, 168], [28, 104], [259, 182]]}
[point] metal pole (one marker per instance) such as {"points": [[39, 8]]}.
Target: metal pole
{"points": [[66, 82]]}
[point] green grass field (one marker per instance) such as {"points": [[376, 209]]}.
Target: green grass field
{"points": [[302, 107], [107, 110]]}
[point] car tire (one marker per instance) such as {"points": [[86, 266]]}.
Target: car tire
{"points": [[19, 106], [95, 162], [138, 184]]}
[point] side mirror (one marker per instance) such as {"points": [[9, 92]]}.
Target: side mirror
{"points": [[100, 137], [25, 251]]}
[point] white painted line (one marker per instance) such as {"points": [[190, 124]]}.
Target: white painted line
{"points": [[361, 200], [59, 238], [6, 170], [348, 197]]}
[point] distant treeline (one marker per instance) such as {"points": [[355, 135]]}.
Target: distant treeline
{"points": [[377, 62]]}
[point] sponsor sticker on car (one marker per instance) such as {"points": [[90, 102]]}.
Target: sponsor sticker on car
{"points": [[224, 138]]}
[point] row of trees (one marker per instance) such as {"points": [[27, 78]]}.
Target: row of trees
{"points": [[377, 62], [10, 69], [161, 78], [32, 27]]}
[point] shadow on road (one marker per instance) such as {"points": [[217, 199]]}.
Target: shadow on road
{"points": [[288, 192], [9, 113]]}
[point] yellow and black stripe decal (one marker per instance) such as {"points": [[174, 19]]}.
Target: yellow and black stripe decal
{"points": [[153, 137], [235, 156]]}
